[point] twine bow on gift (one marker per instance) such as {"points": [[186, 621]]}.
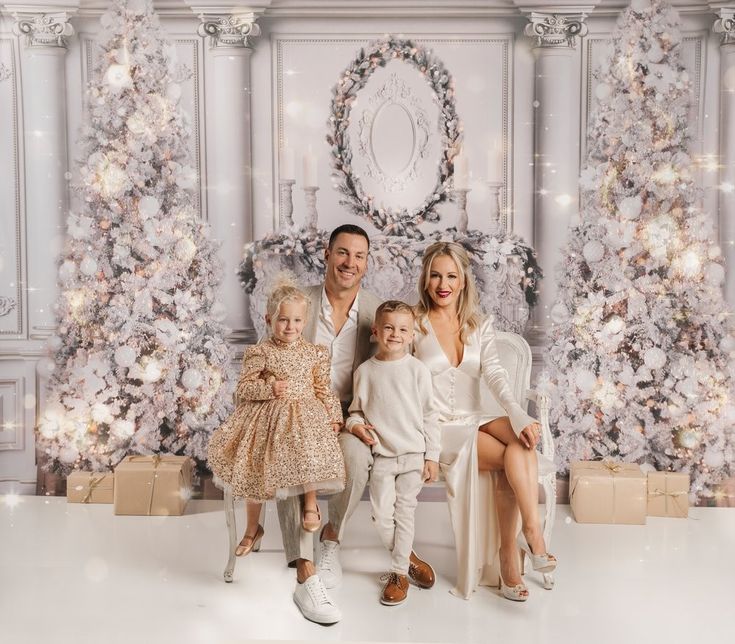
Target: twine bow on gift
{"points": [[674, 496], [614, 468], [93, 483]]}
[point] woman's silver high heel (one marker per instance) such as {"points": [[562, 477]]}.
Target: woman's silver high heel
{"points": [[541, 563], [517, 593]]}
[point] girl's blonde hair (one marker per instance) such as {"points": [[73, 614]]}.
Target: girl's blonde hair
{"points": [[284, 290], [467, 303]]}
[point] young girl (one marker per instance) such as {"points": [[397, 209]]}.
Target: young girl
{"points": [[281, 439]]}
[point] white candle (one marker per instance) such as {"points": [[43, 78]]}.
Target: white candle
{"points": [[461, 172], [495, 164], [309, 169], [288, 164]]}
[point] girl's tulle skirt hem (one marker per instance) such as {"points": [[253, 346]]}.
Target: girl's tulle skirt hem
{"points": [[325, 488]]}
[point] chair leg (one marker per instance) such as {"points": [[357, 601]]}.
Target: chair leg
{"points": [[232, 533], [550, 515]]}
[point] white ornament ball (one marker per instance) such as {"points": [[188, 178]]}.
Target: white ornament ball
{"points": [[118, 77], [630, 207], [727, 344], [122, 428], [714, 273], [585, 380], [45, 367], [614, 325], [152, 372], [191, 379], [655, 53], [602, 91], [687, 438], [714, 252], [655, 358], [88, 266], [125, 356], [101, 413], [54, 343], [67, 271], [593, 251], [68, 454], [149, 206], [185, 249], [647, 467], [714, 457]]}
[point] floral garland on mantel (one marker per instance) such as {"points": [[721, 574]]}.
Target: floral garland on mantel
{"points": [[355, 77]]}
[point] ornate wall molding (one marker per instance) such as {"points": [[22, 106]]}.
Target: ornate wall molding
{"points": [[238, 30], [725, 26], [394, 92], [44, 30], [7, 304], [5, 72], [10, 122], [554, 31], [11, 413]]}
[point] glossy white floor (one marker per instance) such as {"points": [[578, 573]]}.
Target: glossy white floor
{"points": [[76, 573]]}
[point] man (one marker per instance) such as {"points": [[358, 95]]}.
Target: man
{"points": [[341, 319]]}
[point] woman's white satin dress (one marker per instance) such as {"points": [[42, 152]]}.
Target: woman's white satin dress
{"points": [[462, 409]]}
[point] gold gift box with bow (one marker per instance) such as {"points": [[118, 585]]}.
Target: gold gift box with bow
{"points": [[153, 485], [607, 492], [668, 494], [90, 487]]}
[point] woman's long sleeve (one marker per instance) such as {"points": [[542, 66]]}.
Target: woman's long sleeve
{"points": [[323, 388], [252, 385], [496, 379]]}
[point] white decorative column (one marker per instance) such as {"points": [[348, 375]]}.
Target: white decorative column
{"points": [[725, 26], [556, 155], [43, 48], [229, 155]]}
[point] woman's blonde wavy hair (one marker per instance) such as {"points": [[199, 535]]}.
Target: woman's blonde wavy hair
{"points": [[284, 289], [467, 303]]}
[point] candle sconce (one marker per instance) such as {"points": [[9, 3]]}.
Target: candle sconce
{"points": [[495, 223], [285, 195], [312, 216]]}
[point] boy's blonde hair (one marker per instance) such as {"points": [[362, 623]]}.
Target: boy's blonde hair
{"points": [[393, 306], [284, 290], [468, 305]]}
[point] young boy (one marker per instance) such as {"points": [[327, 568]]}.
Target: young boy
{"points": [[393, 402]]}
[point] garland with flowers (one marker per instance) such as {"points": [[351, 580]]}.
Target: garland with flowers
{"points": [[354, 78]]}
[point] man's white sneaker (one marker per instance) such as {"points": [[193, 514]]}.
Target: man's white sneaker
{"points": [[328, 567], [314, 603]]}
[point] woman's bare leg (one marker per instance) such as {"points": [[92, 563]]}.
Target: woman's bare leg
{"points": [[520, 465], [490, 457]]}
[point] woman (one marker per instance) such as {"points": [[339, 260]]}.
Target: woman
{"points": [[459, 348]]}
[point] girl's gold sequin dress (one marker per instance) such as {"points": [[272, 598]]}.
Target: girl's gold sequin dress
{"points": [[277, 447]]}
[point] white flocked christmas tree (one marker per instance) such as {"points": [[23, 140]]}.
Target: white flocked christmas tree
{"points": [[640, 366], [140, 356]]}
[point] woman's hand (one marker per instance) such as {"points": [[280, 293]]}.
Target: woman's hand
{"points": [[363, 433], [336, 427], [279, 387], [530, 435], [431, 471]]}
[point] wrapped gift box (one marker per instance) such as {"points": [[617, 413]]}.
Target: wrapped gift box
{"points": [[668, 494], [90, 487], [607, 492], [153, 485]]}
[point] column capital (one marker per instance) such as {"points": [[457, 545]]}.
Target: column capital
{"points": [[725, 25], [555, 30], [44, 29], [235, 30]]}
